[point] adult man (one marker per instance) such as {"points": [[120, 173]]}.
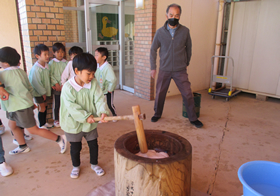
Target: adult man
{"points": [[175, 53]]}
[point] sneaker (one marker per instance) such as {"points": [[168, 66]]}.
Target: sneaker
{"points": [[98, 170], [15, 142], [48, 125], [5, 169], [155, 119], [114, 120], [62, 144], [19, 150], [43, 127], [197, 123], [2, 129], [75, 172], [27, 137], [56, 123], [99, 122]]}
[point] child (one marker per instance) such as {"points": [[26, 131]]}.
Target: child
{"points": [[19, 106], [5, 169], [68, 71], [57, 66], [105, 76], [81, 100], [39, 78]]}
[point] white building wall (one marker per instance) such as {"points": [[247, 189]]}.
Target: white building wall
{"points": [[9, 30]]}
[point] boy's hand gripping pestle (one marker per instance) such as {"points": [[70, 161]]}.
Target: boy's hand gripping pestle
{"points": [[137, 117]]}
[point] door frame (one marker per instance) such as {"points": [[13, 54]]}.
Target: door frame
{"points": [[120, 47]]}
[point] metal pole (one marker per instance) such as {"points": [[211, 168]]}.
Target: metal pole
{"points": [[87, 27], [121, 44]]}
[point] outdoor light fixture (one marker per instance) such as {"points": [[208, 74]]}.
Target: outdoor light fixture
{"points": [[139, 4]]}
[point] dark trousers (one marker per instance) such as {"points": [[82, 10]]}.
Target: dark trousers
{"points": [[110, 102], [56, 106], [184, 86], [42, 117], [75, 150]]}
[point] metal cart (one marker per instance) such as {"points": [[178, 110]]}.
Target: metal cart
{"points": [[223, 91]]}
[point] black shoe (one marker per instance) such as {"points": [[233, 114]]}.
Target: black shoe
{"points": [[155, 119], [197, 123]]}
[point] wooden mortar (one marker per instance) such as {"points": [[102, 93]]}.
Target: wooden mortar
{"points": [[138, 176]]}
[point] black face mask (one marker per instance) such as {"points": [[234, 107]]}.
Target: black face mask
{"points": [[173, 21]]}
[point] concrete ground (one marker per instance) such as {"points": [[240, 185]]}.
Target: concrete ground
{"points": [[235, 132]]}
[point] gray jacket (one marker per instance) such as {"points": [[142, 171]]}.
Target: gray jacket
{"points": [[175, 53]]}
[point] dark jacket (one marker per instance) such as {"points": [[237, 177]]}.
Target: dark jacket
{"points": [[175, 53]]}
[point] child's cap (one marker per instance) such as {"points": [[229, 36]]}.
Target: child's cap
{"points": [[9, 55]]}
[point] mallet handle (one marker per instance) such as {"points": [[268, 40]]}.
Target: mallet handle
{"points": [[109, 118]]}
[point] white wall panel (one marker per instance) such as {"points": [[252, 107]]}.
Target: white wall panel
{"points": [[242, 44], [9, 30], [255, 46], [266, 60]]}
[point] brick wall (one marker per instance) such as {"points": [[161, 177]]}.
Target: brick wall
{"points": [[71, 22], [145, 28], [42, 22]]}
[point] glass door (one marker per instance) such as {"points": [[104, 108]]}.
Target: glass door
{"points": [[103, 30], [128, 70], [110, 24]]}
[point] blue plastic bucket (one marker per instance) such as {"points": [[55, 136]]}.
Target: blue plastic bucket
{"points": [[260, 178]]}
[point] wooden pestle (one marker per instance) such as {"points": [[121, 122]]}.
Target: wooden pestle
{"points": [[139, 129]]}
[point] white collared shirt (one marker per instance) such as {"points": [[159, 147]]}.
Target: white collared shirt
{"points": [[56, 60], [76, 86], [103, 65], [39, 65], [12, 68]]}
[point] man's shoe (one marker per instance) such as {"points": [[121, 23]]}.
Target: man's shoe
{"points": [[197, 123], [155, 119]]}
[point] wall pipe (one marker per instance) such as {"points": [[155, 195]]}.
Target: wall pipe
{"points": [[229, 34], [218, 39]]}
